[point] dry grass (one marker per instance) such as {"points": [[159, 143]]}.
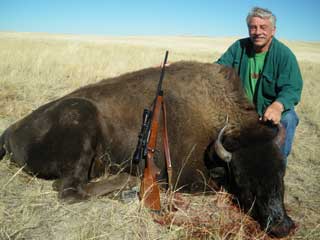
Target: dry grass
{"points": [[37, 68]]}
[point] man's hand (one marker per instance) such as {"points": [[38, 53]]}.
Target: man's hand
{"points": [[273, 113]]}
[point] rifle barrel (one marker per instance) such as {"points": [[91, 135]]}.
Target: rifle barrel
{"points": [[162, 73]]}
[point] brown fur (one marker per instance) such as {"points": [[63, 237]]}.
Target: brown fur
{"points": [[79, 135], [198, 98]]}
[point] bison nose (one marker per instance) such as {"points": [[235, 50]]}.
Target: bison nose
{"points": [[283, 228]]}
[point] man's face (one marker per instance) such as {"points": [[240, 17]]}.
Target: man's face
{"points": [[261, 32]]}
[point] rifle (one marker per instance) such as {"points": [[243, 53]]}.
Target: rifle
{"points": [[147, 139]]}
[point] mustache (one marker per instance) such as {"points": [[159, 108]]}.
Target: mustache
{"points": [[258, 37]]}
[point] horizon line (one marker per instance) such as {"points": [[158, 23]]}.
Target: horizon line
{"points": [[145, 35]]}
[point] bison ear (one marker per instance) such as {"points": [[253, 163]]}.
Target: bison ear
{"points": [[279, 139]]}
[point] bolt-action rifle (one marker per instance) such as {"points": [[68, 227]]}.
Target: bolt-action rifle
{"points": [[147, 139]]}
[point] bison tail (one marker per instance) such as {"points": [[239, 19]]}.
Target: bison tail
{"points": [[2, 148]]}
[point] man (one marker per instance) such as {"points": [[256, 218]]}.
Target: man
{"points": [[269, 73]]}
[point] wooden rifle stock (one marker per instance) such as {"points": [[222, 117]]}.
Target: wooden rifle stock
{"points": [[149, 189]]}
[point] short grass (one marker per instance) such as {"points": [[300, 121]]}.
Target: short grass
{"points": [[37, 68]]}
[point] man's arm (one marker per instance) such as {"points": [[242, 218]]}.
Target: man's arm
{"points": [[289, 83], [289, 87]]}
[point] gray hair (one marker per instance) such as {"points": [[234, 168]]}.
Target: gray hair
{"points": [[262, 13]]}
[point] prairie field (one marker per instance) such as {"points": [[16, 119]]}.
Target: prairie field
{"points": [[36, 68]]}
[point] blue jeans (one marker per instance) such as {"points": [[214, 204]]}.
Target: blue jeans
{"points": [[290, 121]]}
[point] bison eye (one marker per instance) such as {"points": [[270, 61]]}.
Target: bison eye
{"points": [[218, 172]]}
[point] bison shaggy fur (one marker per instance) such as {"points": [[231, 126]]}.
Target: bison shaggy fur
{"points": [[82, 135]]}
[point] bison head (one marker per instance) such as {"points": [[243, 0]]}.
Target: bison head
{"points": [[249, 164]]}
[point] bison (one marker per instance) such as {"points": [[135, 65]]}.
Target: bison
{"points": [[94, 129]]}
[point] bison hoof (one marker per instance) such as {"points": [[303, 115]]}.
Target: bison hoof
{"points": [[2, 152], [56, 185], [72, 195]]}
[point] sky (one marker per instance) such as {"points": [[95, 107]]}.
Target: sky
{"points": [[296, 19]]}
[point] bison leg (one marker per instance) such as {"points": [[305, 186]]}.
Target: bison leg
{"points": [[113, 183], [75, 174], [74, 192]]}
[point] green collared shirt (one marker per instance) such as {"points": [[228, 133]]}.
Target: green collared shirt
{"points": [[280, 79]]}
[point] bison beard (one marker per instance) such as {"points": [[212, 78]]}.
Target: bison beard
{"points": [[78, 137]]}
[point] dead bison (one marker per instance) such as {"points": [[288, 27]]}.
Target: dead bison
{"points": [[80, 135]]}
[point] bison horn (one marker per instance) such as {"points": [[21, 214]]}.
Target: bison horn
{"points": [[218, 147]]}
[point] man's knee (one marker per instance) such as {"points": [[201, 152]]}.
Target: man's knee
{"points": [[290, 119]]}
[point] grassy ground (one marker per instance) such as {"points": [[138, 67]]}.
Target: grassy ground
{"points": [[36, 68]]}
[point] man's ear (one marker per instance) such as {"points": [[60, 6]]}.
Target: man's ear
{"points": [[274, 31]]}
